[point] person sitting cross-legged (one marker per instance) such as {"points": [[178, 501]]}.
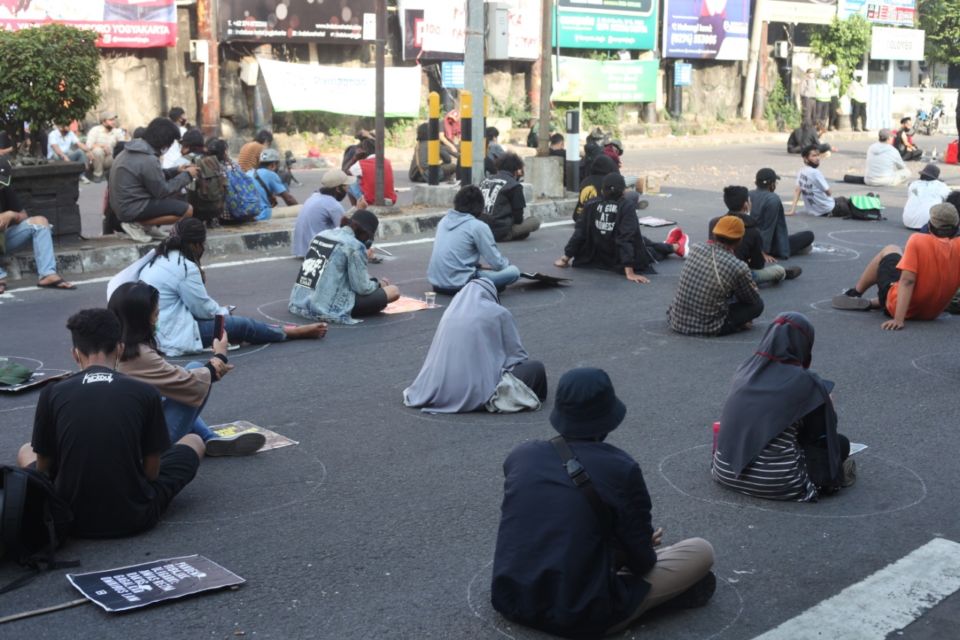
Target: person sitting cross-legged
{"points": [[505, 202], [766, 208], [916, 283], [576, 552], [102, 438]]}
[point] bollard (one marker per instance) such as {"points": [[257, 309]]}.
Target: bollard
{"points": [[572, 170], [433, 139], [466, 138]]}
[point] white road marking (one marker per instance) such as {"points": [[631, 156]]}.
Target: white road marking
{"points": [[882, 603]]}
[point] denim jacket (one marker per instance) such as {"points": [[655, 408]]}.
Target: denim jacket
{"points": [[342, 277], [183, 301]]}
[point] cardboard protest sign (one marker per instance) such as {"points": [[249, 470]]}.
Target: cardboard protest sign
{"points": [[406, 305], [140, 585], [544, 279], [274, 439], [653, 221]]}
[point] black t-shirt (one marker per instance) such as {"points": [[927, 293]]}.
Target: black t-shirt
{"points": [[5, 142], [9, 200], [96, 426], [750, 249]]}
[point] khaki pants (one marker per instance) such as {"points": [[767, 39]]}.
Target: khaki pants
{"points": [[678, 568], [101, 161], [898, 178], [522, 230]]}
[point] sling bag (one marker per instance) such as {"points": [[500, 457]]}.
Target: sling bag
{"points": [[582, 480]]}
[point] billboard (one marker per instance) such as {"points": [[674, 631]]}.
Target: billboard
{"points": [[889, 43], [897, 12], [606, 24], [712, 29], [582, 79], [800, 11], [130, 24], [272, 21]]}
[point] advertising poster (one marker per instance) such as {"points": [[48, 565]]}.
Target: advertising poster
{"points": [[582, 79], [606, 24], [440, 28], [800, 11], [710, 29], [330, 21], [130, 24], [897, 12]]}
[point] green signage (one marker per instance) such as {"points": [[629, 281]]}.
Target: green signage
{"points": [[606, 24], [585, 80]]}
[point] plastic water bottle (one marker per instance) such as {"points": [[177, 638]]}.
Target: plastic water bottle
{"points": [[716, 434]]}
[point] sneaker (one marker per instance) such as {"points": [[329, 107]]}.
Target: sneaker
{"points": [[851, 300], [696, 596], [849, 473], [683, 243], [84, 179], [793, 271], [136, 232], [674, 236], [241, 444], [156, 232], [642, 204]]}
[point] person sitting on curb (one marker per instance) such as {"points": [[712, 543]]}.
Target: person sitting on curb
{"points": [[884, 166], [913, 284], [505, 202], [323, 210], [476, 360], [185, 390], [763, 266], [17, 228], [64, 145], [462, 242], [806, 135], [904, 142], [101, 437], [102, 139], [333, 283], [607, 236], [249, 156], [576, 553], [711, 277], [923, 194], [419, 167], [269, 186], [782, 446], [817, 198], [140, 194], [494, 150], [187, 312], [766, 208]]}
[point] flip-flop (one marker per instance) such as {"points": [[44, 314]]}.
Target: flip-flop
{"points": [[59, 283]]}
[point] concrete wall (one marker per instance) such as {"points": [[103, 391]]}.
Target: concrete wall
{"points": [[716, 90]]}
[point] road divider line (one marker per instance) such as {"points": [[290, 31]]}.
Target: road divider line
{"points": [[883, 602]]}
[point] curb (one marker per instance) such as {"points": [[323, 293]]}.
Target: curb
{"points": [[107, 253]]}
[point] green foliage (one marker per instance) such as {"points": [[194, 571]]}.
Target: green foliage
{"points": [[843, 43], [941, 20], [518, 110], [602, 114], [779, 110], [50, 74], [401, 132]]}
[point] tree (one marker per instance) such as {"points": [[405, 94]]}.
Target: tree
{"points": [[941, 20], [843, 43], [50, 74]]}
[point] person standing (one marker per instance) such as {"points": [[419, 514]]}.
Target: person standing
{"points": [[857, 90], [834, 120], [766, 208], [505, 202], [823, 97], [808, 97]]}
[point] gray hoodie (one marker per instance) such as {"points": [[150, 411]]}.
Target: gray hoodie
{"points": [[136, 178], [462, 240]]}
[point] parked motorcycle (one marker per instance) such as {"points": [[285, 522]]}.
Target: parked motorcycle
{"points": [[928, 122]]}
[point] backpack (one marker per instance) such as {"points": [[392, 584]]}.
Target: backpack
{"points": [[242, 202], [207, 198], [866, 207]]}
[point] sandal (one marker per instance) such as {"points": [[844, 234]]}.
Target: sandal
{"points": [[59, 283]]}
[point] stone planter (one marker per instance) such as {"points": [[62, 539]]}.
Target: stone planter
{"points": [[51, 190]]}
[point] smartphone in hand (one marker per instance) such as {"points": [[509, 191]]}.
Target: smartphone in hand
{"points": [[219, 323]]}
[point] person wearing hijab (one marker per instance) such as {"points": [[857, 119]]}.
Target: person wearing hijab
{"points": [[778, 432], [476, 360]]}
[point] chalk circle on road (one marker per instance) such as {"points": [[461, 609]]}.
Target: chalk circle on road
{"points": [[826, 252], [277, 312], [255, 484], [723, 611], [527, 296], [882, 486], [482, 418], [661, 328], [896, 236], [942, 364]]}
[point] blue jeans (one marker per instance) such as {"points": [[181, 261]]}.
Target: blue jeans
{"points": [[241, 329], [183, 419], [502, 278], [19, 234]]}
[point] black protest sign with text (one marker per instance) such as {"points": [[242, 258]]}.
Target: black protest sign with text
{"points": [[315, 261]]}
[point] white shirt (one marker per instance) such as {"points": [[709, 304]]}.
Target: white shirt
{"points": [[64, 142], [883, 161], [921, 195], [813, 188]]}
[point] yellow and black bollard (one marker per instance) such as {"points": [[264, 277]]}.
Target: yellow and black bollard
{"points": [[466, 138], [433, 139]]}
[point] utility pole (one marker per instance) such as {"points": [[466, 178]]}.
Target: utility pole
{"points": [[473, 60], [379, 125], [546, 77], [207, 32], [756, 37]]}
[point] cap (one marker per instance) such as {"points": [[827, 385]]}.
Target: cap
{"points": [[106, 114], [269, 155], [6, 172], [366, 220], [944, 215], [766, 176], [729, 227], [336, 178], [931, 171]]}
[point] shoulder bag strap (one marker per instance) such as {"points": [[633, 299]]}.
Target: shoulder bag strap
{"points": [[582, 480]]}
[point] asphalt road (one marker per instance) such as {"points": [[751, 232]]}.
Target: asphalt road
{"points": [[381, 522]]}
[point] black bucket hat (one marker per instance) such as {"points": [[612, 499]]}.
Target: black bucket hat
{"points": [[586, 406]]}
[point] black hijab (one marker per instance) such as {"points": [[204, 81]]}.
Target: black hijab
{"points": [[773, 389]]}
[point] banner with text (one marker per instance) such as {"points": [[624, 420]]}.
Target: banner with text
{"points": [[898, 12], [582, 79], [800, 11], [127, 24], [440, 27], [714, 29], [890, 43], [327, 22], [347, 90], [606, 24]]}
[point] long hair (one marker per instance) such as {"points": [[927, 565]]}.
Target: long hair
{"points": [[134, 304], [187, 236]]}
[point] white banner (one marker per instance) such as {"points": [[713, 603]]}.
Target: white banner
{"points": [[889, 43], [346, 90], [445, 26]]}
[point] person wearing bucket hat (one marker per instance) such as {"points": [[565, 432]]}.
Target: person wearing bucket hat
{"points": [[323, 210], [576, 552], [916, 283], [711, 277], [333, 284], [101, 140], [766, 207], [270, 185], [923, 194]]}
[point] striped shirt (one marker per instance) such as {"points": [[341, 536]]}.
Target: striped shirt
{"points": [[779, 472]]}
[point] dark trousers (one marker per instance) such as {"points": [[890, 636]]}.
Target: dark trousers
{"points": [[916, 154], [822, 112], [834, 119], [858, 115], [809, 107], [800, 241], [533, 374], [740, 313]]}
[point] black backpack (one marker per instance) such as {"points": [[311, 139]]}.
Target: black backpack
{"points": [[34, 521]]}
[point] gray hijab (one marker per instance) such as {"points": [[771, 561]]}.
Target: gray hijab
{"points": [[773, 389], [476, 341]]}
